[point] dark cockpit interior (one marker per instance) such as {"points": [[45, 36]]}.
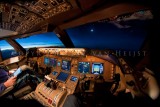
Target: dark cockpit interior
{"points": [[104, 52]]}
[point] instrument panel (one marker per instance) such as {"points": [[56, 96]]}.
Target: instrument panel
{"points": [[89, 65], [66, 71]]}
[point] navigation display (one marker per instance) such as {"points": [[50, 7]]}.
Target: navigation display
{"points": [[83, 67], [46, 60], [97, 68], [66, 65], [52, 62], [62, 76]]}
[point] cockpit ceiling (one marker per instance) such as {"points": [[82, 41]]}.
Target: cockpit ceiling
{"points": [[23, 16]]}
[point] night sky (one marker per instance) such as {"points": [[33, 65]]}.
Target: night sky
{"points": [[104, 35]]}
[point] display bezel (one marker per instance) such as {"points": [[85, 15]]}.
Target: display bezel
{"points": [[93, 68], [68, 65], [60, 79], [83, 65]]}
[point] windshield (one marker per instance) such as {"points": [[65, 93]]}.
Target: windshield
{"points": [[125, 32], [107, 36], [5, 45], [40, 40], [7, 50]]}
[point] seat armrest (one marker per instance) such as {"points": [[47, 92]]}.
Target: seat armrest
{"points": [[6, 90]]}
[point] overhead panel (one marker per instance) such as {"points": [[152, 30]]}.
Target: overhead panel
{"points": [[22, 16]]}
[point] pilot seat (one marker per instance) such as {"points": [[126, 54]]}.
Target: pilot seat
{"points": [[25, 84]]}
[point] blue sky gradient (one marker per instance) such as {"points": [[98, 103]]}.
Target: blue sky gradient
{"points": [[39, 40]]}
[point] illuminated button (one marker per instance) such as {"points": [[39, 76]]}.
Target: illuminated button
{"points": [[47, 89], [44, 88], [40, 87], [49, 101], [50, 91]]}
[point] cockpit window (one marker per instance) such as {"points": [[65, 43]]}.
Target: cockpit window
{"points": [[40, 40], [7, 50], [124, 32], [5, 45]]}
